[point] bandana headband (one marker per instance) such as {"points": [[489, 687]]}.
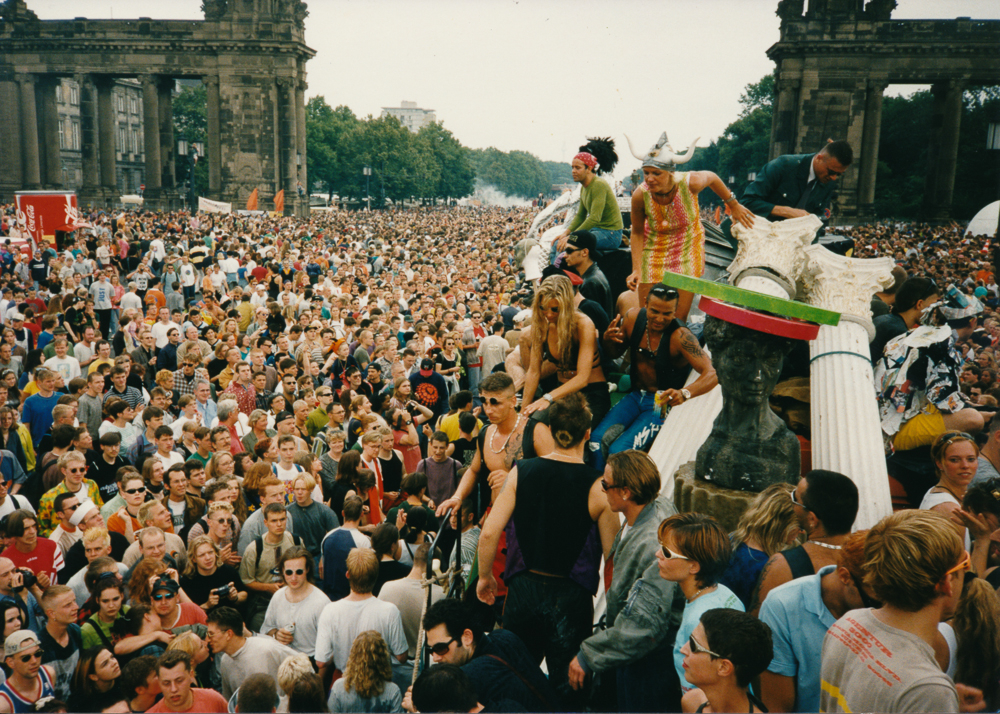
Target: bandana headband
{"points": [[587, 159]]}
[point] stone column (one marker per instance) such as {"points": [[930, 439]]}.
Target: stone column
{"points": [[168, 148], [770, 258], [90, 191], [151, 137], [943, 154], [784, 124], [289, 140], [12, 157], [846, 428], [52, 165], [29, 134], [213, 148], [302, 209], [106, 136], [869, 148]]}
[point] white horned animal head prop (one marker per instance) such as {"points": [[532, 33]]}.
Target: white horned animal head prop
{"points": [[662, 155]]}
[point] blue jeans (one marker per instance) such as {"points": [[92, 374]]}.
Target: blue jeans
{"points": [[637, 414], [607, 241], [473, 376]]}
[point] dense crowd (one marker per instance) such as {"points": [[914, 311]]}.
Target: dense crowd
{"points": [[231, 445]]}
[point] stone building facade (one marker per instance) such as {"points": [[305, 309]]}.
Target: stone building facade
{"points": [[251, 55], [410, 115]]}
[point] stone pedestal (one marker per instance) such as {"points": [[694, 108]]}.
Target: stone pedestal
{"points": [[770, 258], [725, 505], [846, 429]]}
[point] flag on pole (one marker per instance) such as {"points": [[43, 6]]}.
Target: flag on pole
{"points": [[279, 201], [252, 201], [718, 212]]}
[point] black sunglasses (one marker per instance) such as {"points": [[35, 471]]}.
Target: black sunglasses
{"points": [[441, 648], [133, 491], [663, 292], [297, 571]]}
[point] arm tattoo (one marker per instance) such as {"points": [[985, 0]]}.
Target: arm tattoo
{"points": [[690, 345], [755, 600]]}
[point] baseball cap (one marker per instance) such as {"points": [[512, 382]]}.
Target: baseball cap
{"points": [[426, 367], [19, 641], [282, 416], [165, 582], [17, 316], [583, 239]]}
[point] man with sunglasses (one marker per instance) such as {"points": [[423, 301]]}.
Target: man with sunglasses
{"points": [[166, 595], [662, 353], [293, 613], [883, 659], [633, 640], [29, 680], [825, 505], [65, 534]]}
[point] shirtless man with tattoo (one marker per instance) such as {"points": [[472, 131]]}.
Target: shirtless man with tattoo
{"points": [[662, 353], [499, 445]]}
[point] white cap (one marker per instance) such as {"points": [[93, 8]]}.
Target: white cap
{"points": [[82, 512]]}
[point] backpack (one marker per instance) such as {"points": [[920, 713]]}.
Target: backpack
{"points": [[259, 542]]}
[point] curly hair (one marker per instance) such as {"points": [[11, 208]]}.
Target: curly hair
{"points": [[138, 585], [602, 149], [191, 569], [367, 669]]}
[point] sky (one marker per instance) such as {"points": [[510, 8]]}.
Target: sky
{"points": [[538, 75]]}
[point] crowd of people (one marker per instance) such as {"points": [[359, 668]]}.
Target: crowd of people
{"points": [[231, 446]]}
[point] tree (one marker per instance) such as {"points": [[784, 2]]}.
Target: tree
{"points": [[455, 177], [190, 114], [331, 154], [517, 173]]}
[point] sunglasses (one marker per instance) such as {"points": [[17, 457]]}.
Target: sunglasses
{"points": [[796, 502], [37, 654], [297, 571], [71, 508], [605, 486], [663, 292], [494, 402], [133, 491], [671, 555], [441, 648], [697, 648], [964, 564], [866, 599], [164, 596]]}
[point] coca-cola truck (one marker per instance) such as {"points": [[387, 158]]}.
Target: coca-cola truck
{"points": [[46, 215]]}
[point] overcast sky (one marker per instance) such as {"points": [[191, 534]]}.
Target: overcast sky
{"points": [[538, 75]]}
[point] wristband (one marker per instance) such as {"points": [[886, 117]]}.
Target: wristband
{"points": [[731, 199]]}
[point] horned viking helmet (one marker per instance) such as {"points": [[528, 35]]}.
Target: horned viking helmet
{"points": [[662, 155]]}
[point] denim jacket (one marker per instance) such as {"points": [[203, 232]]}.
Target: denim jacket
{"points": [[639, 602]]}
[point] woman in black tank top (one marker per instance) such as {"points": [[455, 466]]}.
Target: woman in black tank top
{"points": [[564, 338]]}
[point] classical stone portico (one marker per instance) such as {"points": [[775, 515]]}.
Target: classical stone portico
{"points": [[251, 54], [834, 61]]}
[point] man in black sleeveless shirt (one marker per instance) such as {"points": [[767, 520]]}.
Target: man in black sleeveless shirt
{"points": [[662, 353]]}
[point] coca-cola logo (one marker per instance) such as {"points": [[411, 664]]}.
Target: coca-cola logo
{"points": [[27, 221], [71, 212]]}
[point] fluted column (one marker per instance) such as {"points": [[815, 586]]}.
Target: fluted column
{"points": [[289, 141], [90, 191], [52, 165], [106, 135], [11, 158], [151, 137], [165, 99], [770, 258], [300, 115], [869, 148], [29, 134], [844, 416], [214, 144]]}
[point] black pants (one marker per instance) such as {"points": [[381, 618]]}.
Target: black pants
{"points": [[104, 316], [552, 616]]}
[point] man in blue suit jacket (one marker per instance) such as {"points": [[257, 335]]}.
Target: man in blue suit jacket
{"points": [[796, 185]]}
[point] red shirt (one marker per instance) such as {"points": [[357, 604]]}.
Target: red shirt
{"points": [[202, 700], [190, 615], [46, 557]]}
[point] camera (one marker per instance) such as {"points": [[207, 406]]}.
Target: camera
{"points": [[222, 591], [29, 578]]}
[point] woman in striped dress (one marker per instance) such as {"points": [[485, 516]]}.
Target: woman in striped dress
{"points": [[667, 235]]}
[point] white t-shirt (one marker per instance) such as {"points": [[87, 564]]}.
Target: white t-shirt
{"points": [[289, 475], [304, 615], [169, 460], [342, 621], [160, 331], [8, 506], [68, 367]]}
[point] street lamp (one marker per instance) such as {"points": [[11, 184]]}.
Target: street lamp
{"points": [[191, 149], [368, 180]]}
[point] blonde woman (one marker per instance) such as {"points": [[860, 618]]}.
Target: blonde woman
{"points": [[564, 338], [367, 684], [197, 648], [767, 527]]}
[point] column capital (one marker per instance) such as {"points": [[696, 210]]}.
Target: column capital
{"points": [[302, 85], [787, 83], [878, 85], [776, 247], [285, 82], [27, 78], [845, 285], [211, 80]]}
